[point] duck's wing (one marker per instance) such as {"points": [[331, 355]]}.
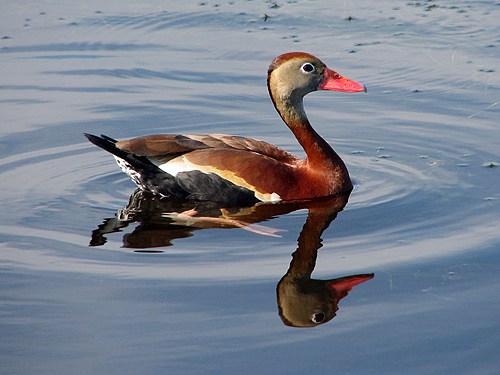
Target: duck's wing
{"points": [[206, 167], [165, 145]]}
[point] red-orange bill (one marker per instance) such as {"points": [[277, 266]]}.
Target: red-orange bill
{"points": [[334, 81]]}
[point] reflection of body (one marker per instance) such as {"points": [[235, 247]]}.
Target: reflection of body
{"points": [[237, 170], [162, 220], [302, 301]]}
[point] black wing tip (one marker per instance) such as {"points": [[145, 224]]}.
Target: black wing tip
{"points": [[97, 140], [106, 143], [92, 138], [108, 138]]}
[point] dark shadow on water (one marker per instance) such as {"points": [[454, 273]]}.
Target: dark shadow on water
{"points": [[302, 301]]}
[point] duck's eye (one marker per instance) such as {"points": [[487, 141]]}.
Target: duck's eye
{"points": [[318, 317], [308, 68]]}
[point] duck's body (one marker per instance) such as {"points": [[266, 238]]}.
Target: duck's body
{"points": [[242, 170]]}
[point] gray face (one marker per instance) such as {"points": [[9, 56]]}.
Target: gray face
{"points": [[298, 76]]}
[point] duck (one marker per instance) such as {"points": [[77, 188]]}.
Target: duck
{"points": [[237, 170]]}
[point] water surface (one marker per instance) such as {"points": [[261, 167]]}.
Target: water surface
{"points": [[422, 147]]}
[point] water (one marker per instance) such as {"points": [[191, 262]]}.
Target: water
{"points": [[422, 147]]}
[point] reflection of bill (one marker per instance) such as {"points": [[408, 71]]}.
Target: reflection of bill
{"points": [[305, 302], [302, 301]]}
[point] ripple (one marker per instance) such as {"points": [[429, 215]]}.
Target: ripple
{"points": [[394, 201], [81, 47], [172, 75]]}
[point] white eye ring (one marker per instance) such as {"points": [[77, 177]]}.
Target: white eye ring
{"points": [[318, 317], [308, 68]]}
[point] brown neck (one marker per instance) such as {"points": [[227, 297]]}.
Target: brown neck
{"points": [[319, 153]]}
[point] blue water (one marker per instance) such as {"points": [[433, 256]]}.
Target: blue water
{"points": [[422, 147]]}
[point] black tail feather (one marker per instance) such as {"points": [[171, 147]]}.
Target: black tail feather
{"points": [[109, 144], [108, 138], [105, 143], [140, 169]]}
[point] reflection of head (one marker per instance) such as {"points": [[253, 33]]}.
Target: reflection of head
{"points": [[305, 302]]}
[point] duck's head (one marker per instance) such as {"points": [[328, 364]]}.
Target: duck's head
{"points": [[296, 74]]}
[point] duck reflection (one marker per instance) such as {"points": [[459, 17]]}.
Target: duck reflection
{"points": [[302, 301]]}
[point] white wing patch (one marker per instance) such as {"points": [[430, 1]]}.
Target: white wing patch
{"points": [[266, 197], [275, 197], [177, 165]]}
